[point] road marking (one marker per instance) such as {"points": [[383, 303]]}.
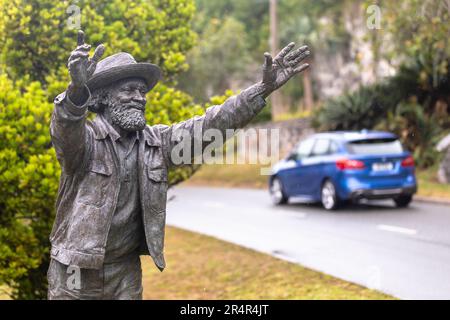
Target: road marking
{"points": [[298, 215], [385, 227]]}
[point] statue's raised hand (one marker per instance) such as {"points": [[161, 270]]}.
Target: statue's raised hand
{"points": [[81, 67], [277, 71]]}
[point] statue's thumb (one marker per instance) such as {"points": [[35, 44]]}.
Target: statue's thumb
{"points": [[99, 51], [95, 58]]}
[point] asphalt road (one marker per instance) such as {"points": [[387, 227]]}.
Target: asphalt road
{"points": [[403, 252]]}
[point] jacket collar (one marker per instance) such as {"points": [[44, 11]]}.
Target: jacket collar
{"points": [[104, 128]]}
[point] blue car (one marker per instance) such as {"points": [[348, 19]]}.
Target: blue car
{"points": [[335, 167]]}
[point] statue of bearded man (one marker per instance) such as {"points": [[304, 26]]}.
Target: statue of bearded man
{"points": [[111, 203]]}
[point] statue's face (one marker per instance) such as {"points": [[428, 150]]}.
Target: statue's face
{"points": [[127, 104]]}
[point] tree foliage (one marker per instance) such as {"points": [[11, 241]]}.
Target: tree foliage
{"points": [[36, 39], [239, 57], [420, 32], [218, 59], [415, 102]]}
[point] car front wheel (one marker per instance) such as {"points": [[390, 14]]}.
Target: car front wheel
{"points": [[329, 197], [277, 192]]}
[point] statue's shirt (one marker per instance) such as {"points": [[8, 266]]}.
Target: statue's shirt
{"points": [[126, 231]]}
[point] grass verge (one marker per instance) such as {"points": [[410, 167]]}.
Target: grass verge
{"points": [[229, 175], [4, 293], [429, 186], [202, 267], [248, 176]]}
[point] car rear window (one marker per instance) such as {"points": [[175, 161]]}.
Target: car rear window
{"points": [[375, 146]]}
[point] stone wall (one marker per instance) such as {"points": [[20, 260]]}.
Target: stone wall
{"points": [[287, 133]]}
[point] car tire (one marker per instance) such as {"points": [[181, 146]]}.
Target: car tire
{"points": [[328, 196], [403, 201], [277, 193]]}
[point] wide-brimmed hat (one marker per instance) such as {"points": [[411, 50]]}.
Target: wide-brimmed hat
{"points": [[121, 66]]}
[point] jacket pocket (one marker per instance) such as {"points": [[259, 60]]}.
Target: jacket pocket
{"points": [[101, 168], [93, 189], [157, 175], [157, 189]]}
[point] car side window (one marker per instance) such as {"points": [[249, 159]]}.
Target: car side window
{"points": [[333, 147], [321, 147], [304, 149]]}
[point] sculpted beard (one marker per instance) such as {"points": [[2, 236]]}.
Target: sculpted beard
{"points": [[130, 117]]}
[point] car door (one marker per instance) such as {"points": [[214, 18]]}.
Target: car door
{"points": [[294, 177], [314, 167]]}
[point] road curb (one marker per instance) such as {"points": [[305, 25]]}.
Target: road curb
{"points": [[432, 200]]}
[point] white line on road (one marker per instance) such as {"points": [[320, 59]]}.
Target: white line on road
{"points": [[385, 227]]}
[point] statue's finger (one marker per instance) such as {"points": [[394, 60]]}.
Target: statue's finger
{"points": [[301, 68], [301, 57], [268, 61], [296, 53], [284, 51], [73, 62], [83, 47], [98, 53], [79, 54], [95, 58], [80, 40]]}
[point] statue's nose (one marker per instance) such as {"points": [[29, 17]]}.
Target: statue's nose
{"points": [[138, 97]]}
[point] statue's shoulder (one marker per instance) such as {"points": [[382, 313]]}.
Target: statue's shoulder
{"points": [[153, 134], [93, 126], [97, 127]]}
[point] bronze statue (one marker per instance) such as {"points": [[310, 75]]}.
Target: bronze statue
{"points": [[111, 203]]}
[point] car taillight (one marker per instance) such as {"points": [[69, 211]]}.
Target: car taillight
{"points": [[408, 162], [347, 164]]}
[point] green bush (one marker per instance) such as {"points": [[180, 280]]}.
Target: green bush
{"points": [[418, 131], [368, 105], [351, 111], [28, 182], [36, 42]]}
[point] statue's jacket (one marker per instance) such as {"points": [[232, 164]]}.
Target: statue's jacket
{"points": [[89, 182]]}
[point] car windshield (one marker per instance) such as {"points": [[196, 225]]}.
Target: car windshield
{"points": [[375, 146]]}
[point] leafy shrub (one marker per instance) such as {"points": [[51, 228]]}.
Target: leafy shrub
{"points": [[29, 175], [417, 130], [351, 111], [365, 107]]}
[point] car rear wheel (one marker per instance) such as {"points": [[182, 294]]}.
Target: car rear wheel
{"points": [[403, 201], [329, 196], [277, 192]]}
